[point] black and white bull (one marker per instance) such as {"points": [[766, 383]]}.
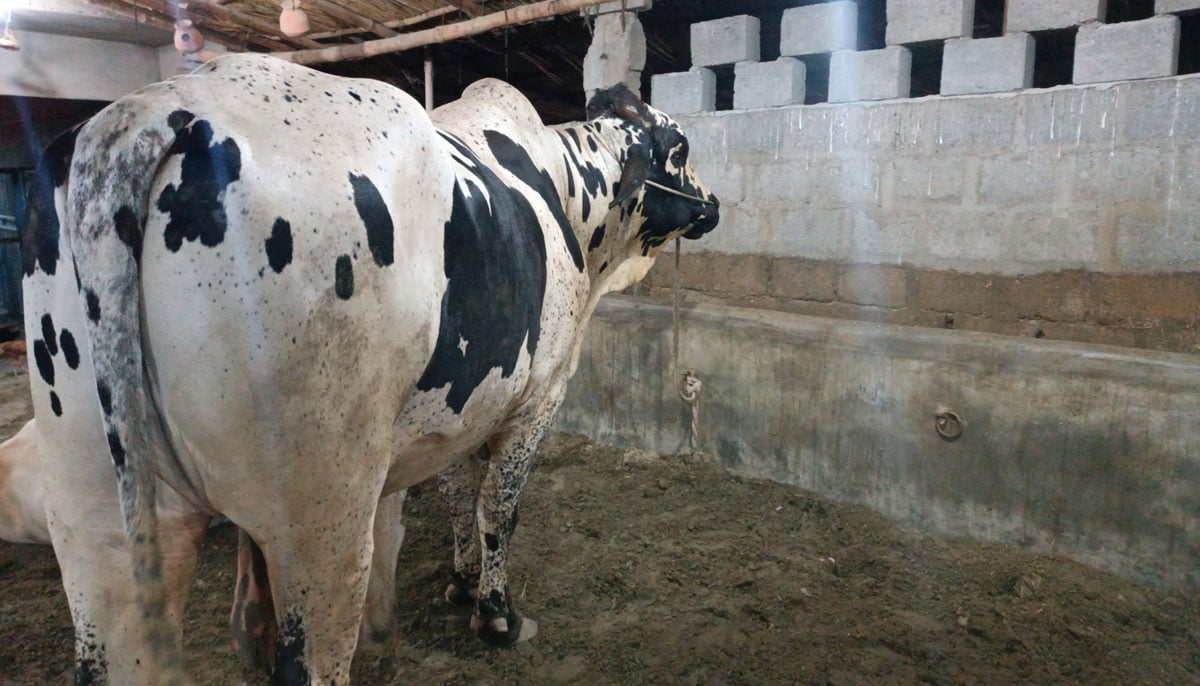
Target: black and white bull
{"points": [[301, 295]]}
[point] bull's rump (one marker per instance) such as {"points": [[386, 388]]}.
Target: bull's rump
{"points": [[291, 273]]}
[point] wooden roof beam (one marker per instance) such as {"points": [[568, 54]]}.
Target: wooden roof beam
{"points": [[468, 7], [394, 24], [441, 34], [216, 11], [163, 15], [353, 18]]}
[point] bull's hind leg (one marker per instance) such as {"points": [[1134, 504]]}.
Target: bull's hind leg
{"points": [[380, 609], [97, 576], [252, 624], [319, 566], [512, 451], [459, 485]]}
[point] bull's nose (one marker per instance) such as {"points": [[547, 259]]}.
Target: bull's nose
{"points": [[706, 220]]}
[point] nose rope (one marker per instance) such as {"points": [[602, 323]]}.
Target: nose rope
{"points": [[681, 194], [689, 382]]}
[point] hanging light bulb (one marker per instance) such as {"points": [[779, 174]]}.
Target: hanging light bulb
{"points": [[7, 40], [293, 21]]}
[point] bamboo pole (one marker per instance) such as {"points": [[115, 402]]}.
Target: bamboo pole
{"points": [[441, 34]]}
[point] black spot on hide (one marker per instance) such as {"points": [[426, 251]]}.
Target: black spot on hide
{"points": [[197, 206], [496, 266], [516, 159], [69, 348], [375, 216], [93, 305], [40, 230], [129, 230], [279, 246], [105, 397], [45, 365], [343, 277], [116, 450], [48, 334], [289, 654]]}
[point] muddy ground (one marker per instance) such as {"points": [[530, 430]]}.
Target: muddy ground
{"points": [[645, 570]]}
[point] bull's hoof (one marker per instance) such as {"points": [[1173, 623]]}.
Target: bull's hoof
{"points": [[462, 591], [504, 632]]}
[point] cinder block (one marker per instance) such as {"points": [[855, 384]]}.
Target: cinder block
{"points": [[618, 6], [914, 21], [1165, 6], [725, 41], [870, 74], [1040, 15], [987, 65], [1131, 50], [768, 84], [813, 29], [617, 54], [685, 92]]}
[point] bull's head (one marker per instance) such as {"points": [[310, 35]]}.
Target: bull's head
{"points": [[658, 195]]}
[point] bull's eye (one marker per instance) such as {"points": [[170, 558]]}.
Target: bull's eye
{"points": [[677, 159]]}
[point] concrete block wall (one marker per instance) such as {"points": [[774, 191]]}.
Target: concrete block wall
{"points": [[1039, 15], [1131, 50], [988, 65], [1166, 6], [685, 92], [870, 74], [814, 29], [1068, 213], [769, 84], [1103, 52], [725, 41]]}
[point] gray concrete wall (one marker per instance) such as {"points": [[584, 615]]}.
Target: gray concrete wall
{"points": [[1104, 178], [1071, 212], [49, 66], [1085, 451]]}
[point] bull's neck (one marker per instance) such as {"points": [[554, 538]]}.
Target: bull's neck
{"points": [[593, 154]]}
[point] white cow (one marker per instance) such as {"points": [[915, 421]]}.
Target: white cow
{"points": [[22, 515], [300, 295], [251, 622]]}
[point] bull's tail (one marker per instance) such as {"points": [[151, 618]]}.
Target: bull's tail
{"points": [[117, 156]]}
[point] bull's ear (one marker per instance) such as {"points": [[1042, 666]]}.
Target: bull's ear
{"points": [[621, 102], [633, 175]]}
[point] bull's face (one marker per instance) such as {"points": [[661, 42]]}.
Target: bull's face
{"points": [[658, 196]]}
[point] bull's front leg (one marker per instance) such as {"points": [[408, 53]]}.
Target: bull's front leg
{"points": [[496, 620]]}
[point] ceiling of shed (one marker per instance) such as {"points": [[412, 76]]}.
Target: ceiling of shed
{"points": [[543, 58]]}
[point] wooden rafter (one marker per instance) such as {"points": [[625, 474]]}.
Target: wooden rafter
{"points": [[394, 24], [469, 7], [231, 15], [353, 18], [158, 20], [441, 34]]}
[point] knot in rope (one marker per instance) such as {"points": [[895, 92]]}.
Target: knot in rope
{"points": [[689, 391]]}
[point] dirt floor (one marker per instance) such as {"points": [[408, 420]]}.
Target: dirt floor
{"points": [[646, 570]]}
